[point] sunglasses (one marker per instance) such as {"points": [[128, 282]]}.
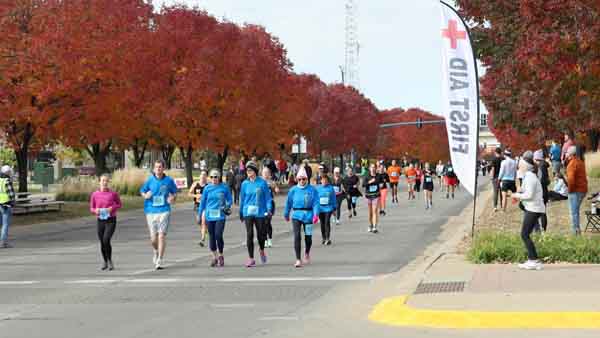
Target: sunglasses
{"points": [[302, 179], [214, 177]]}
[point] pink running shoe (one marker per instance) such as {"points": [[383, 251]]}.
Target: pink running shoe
{"points": [[251, 263], [298, 264], [306, 258]]}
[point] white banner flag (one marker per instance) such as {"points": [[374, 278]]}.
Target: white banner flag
{"points": [[460, 96]]}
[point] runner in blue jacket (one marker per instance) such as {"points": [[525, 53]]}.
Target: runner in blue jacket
{"points": [[255, 205], [327, 206], [216, 205], [303, 199]]}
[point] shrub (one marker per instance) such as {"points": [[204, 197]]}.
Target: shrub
{"points": [[78, 188], [592, 163], [128, 182], [504, 247]]}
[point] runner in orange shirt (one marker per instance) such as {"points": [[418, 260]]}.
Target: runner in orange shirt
{"points": [[411, 177], [394, 172]]}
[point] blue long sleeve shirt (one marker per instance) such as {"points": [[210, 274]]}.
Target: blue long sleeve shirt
{"points": [[255, 198], [215, 198], [327, 201], [304, 202], [160, 188]]}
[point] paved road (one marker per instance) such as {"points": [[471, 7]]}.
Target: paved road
{"points": [[50, 285]]}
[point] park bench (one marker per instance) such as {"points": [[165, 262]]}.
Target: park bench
{"points": [[593, 222], [27, 203]]}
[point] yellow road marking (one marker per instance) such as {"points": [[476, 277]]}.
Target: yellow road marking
{"points": [[395, 311]]}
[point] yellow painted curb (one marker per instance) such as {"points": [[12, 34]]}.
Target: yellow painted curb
{"points": [[395, 311]]}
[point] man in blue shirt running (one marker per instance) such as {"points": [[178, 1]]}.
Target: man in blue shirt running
{"points": [[159, 192]]}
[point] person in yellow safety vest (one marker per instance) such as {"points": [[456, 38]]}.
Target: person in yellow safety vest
{"points": [[7, 202]]}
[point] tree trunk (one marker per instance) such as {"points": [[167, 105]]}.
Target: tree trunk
{"points": [[187, 155], [99, 154], [22, 155], [594, 139], [222, 157], [342, 163], [167, 154], [139, 150]]}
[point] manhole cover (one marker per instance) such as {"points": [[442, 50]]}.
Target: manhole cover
{"points": [[440, 287]]}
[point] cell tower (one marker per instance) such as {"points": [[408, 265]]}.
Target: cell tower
{"points": [[351, 68]]}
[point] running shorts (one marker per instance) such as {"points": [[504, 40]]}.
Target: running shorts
{"points": [[394, 184], [452, 181], [428, 186], [371, 201], [158, 223], [508, 186]]}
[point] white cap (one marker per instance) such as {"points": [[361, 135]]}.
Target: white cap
{"points": [[6, 169]]}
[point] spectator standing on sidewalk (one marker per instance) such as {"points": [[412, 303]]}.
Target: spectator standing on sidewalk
{"points": [[555, 153], [7, 202], [532, 199], [495, 168], [578, 185]]}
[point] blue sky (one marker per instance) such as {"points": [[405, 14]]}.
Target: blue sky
{"points": [[400, 42]]}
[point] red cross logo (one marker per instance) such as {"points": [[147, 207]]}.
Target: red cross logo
{"points": [[453, 33]]}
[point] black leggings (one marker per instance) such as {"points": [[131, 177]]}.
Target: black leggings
{"points": [[261, 233], [325, 218], [418, 185], [298, 227], [269, 224], [530, 221], [106, 229], [215, 240], [351, 205], [338, 200]]}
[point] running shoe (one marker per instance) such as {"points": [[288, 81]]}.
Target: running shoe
{"points": [[5, 245], [298, 264], [447, 196], [337, 222], [350, 216], [383, 212], [375, 230], [370, 228], [201, 243], [104, 266], [306, 258], [263, 257], [158, 265], [214, 263], [111, 267], [323, 242], [251, 263], [452, 195], [268, 243], [531, 265], [354, 212], [221, 261], [155, 258], [328, 242]]}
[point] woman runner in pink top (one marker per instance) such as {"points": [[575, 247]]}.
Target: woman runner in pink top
{"points": [[104, 204]]}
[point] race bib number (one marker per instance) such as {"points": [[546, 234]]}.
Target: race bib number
{"points": [[450, 170], [324, 200], [373, 188], [103, 214], [214, 213], [428, 179], [158, 201], [354, 199], [394, 174], [252, 210], [336, 189], [308, 229]]}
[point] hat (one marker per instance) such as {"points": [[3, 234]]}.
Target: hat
{"points": [[571, 151], [528, 155], [538, 155], [215, 172], [507, 152], [251, 165], [302, 173], [336, 170], [6, 169]]}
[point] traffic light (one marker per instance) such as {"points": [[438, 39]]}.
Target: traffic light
{"points": [[419, 123]]}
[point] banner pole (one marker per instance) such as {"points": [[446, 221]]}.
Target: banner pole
{"points": [[478, 116]]}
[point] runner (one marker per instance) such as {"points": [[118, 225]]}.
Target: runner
{"points": [[350, 183], [450, 179], [507, 176], [427, 177], [266, 175], [372, 186], [196, 192], [394, 172], [340, 194], [303, 203], [418, 176], [214, 207], [255, 205], [383, 187], [159, 192], [104, 203], [327, 206], [411, 178], [439, 170]]}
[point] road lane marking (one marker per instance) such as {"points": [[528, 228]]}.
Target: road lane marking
{"points": [[295, 279], [93, 281], [153, 280], [232, 306], [279, 318], [394, 311], [23, 282]]}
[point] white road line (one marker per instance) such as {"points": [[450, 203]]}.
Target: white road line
{"points": [[279, 318], [153, 280], [23, 282], [295, 279], [93, 281], [232, 306]]}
